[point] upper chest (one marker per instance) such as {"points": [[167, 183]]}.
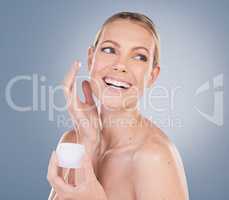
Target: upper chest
{"points": [[114, 174], [114, 165]]}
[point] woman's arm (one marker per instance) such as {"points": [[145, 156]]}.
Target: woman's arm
{"points": [[90, 135], [158, 173]]}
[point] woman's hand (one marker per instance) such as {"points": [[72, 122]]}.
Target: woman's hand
{"points": [[83, 114], [85, 186]]}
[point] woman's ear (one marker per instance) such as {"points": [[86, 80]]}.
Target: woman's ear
{"points": [[90, 54], [153, 75]]}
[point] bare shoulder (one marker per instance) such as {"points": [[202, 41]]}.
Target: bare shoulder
{"points": [[158, 170], [68, 136], [157, 147]]}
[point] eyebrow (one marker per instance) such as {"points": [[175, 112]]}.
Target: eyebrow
{"points": [[134, 48]]}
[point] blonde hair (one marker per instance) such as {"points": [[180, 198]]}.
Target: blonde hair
{"points": [[137, 17]]}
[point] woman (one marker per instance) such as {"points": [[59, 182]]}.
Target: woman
{"points": [[128, 157]]}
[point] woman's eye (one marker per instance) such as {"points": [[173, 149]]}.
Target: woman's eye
{"points": [[108, 50], [141, 57]]}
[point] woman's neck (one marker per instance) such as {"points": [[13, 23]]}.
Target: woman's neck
{"points": [[119, 126]]}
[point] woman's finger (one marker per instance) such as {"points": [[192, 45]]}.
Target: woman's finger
{"points": [[57, 183], [88, 93], [79, 176], [88, 168], [52, 168], [75, 100], [51, 173], [71, 177], [63, 173], [70, 88], [69, 80]]}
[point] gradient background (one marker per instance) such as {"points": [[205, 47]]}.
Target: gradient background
{"points": [[44, 37]]}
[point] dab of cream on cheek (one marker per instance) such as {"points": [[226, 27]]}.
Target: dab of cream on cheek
{"points": [[70, 155]]}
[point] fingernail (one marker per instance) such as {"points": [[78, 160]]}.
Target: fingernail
{"points": [[77, 63]]}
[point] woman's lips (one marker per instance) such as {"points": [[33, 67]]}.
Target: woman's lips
{"points": [[116, 83]]}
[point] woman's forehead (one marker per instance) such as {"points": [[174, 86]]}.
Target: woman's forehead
{"points": [[126, 31]]}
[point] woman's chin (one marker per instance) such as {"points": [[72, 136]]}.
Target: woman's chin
{"points": [[112, 103]]}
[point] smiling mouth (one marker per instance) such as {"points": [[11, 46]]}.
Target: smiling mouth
{"points": [[117, 84]]}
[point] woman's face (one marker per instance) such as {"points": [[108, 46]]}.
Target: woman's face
{"points": [[121, 65]]}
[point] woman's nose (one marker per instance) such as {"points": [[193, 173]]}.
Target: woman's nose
{"points": [[119, 67]]}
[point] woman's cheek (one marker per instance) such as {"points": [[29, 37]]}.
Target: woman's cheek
{"points": [[140, 78], [103, 60]]}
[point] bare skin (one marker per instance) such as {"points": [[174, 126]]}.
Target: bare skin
{"points": [[137, 161], [115, 168]]}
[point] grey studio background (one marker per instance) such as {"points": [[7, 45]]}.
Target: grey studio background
{"points": [[40, 39]]}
